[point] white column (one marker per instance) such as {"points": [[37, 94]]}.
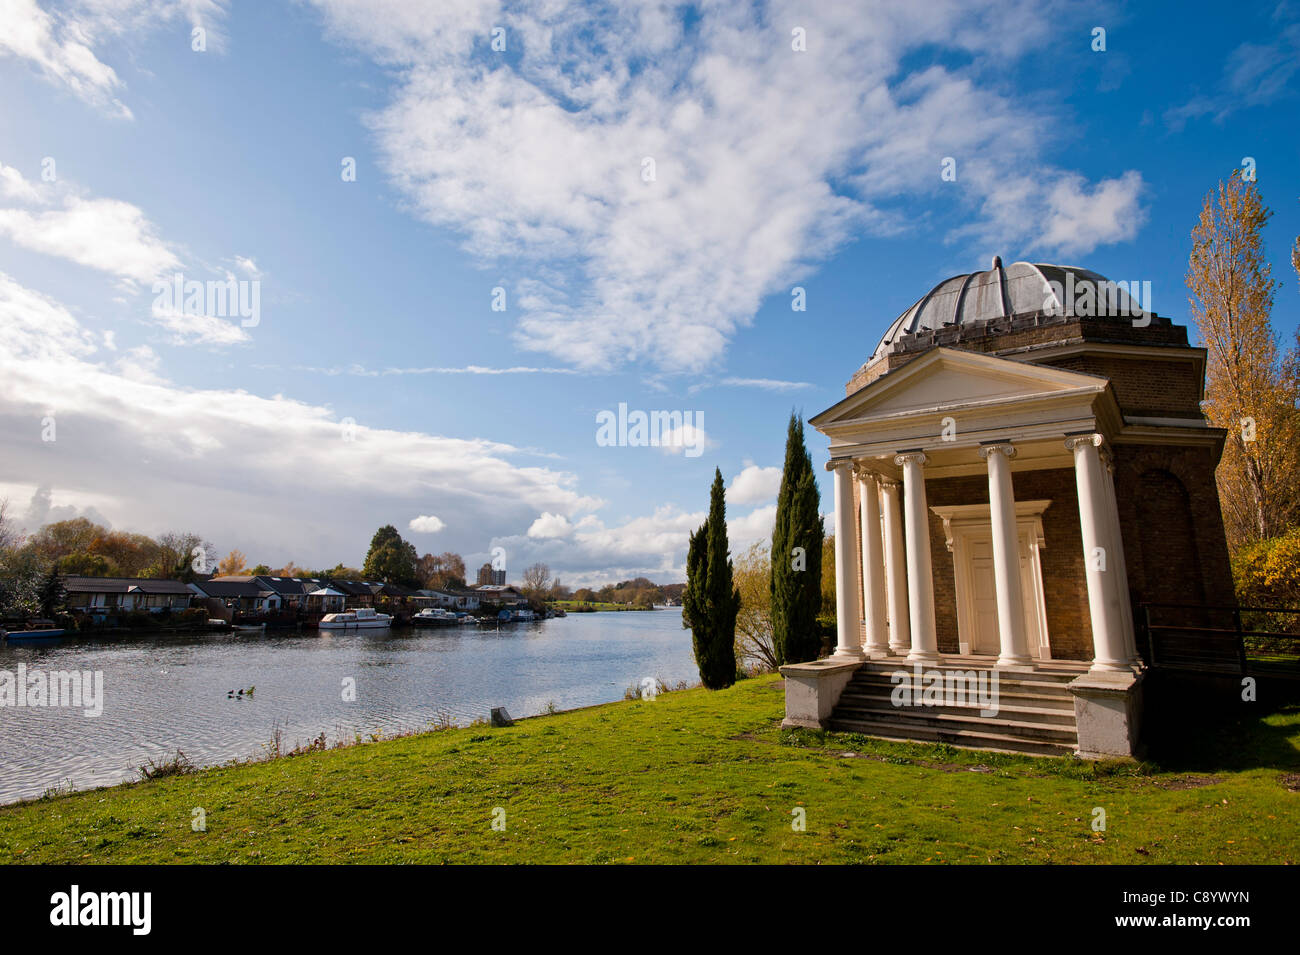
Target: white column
{"points": [[1012, 633], [900, 630], [1109, 654], [1120, 578], [873, 568], [847, 613], [920, 573]]}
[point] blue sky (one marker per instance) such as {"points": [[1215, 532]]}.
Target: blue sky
{"points": [[524, 169]]}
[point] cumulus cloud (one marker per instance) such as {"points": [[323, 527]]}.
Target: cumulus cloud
{"points": [[286, 479], [551, 525], [754, 484], [108, 235], [658, 183]]}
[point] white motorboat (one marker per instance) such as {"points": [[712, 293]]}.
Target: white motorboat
{"points": [[363, 618], [434, 617]]}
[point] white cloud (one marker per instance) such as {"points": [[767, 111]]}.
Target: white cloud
{"points": [[755, 526], [688, 439], [551, 525], [539, 156], [14, 186], [58, 48], [1254, 74], [754, 484], [426, 524], [276, 477], [63, 45], [105, 234], [187, 329]]}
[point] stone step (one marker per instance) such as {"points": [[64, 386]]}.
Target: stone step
{"points": [[971, 739], [1006, 697], [1045, 674], [1006, 709], [1005, 683], [971, 720]]}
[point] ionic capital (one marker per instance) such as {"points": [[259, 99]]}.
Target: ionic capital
{"points": [[835, 464], [1081, 440], [910, 457], [1005, 448]]}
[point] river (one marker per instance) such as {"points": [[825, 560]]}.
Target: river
{"points": [[169, 692]]}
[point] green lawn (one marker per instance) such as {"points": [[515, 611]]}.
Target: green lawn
{"points": [[689, 777], [580, 606]]}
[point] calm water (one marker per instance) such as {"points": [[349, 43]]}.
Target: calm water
{"points": [[168, 693]]}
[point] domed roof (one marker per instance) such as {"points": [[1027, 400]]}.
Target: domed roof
{"points": [[1019, 289]]}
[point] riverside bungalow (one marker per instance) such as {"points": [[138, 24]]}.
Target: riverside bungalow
{"points": [[500, 595], [356, 593], [452, 599], [245, 594], [392, 597], [325, 600], [101, 595]]}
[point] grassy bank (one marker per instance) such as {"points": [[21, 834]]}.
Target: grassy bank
{"points": [[691, 776], [592, 606]]}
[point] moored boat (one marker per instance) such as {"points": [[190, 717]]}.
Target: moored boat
{"points": [[36, 630], [363, 618], [434, 617]]}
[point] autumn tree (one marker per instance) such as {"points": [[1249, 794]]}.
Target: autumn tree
{"points": [[55, 541], [437, 571], [128, 554], [233, 564], [1246, 392], [182, 555], [753, 576]]}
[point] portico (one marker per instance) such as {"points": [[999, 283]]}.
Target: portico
{"points": [[955, 414], [1011, 478]]}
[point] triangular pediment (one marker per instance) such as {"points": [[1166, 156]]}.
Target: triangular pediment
{"points": [[950, 378]]}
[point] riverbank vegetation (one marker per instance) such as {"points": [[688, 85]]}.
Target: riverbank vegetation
{"points": [[690, 777]]}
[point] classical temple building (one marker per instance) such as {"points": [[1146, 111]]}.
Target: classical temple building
{"points": [[1019, 464]]}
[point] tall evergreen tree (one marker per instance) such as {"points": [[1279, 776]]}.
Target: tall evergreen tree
{"points": [[797, 555], [711, 601], [52, 594]]}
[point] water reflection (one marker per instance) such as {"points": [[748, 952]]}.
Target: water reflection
{"points": [[165, 693]]}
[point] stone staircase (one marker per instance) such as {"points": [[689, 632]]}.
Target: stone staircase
{"points": [[1035, 710]]}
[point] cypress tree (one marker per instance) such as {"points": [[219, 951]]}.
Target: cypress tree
{"points": [[711, 601], [797, 555]]}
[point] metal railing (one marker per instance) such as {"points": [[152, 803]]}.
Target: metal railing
{"points": [[1222, 639]]}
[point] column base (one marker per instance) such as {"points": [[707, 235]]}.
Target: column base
{"points": [[848, 656], [1108, 711], [812, 690], [1017, 664], [877, 653], [1110, 666], [924, 656]]}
